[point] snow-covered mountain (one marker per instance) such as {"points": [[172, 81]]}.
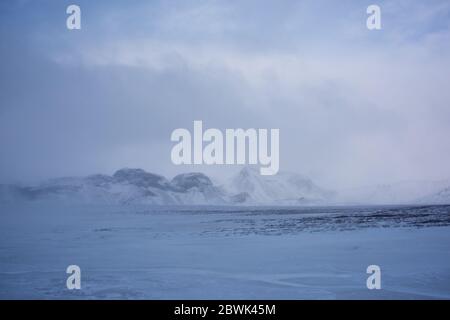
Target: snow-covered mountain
{"points": [[249, 187], [407, 192], [440, 197], [125, 186], [131, 186]]}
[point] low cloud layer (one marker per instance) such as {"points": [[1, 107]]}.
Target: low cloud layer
{"points": [[354, 107]]}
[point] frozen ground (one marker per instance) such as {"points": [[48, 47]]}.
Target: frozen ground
{"points": [[224, 253]]}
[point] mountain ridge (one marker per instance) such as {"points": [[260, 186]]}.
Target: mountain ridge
{"points": [[247, 187], [134, 185]]}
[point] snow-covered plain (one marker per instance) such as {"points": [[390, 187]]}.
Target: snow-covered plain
{"points": [[142, 252]]}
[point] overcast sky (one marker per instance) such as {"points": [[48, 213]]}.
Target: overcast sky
{"points": [[354, 107]]}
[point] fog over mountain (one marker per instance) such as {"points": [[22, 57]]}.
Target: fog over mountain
{"points": [[136, 186], [354, 106]]}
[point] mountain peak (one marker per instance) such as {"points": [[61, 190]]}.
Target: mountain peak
{"points": [[248, 171], [186, 181], [140, 178], [283, 188]]}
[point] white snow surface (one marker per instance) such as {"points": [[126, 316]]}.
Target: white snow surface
{"points": [[142, 252]]}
